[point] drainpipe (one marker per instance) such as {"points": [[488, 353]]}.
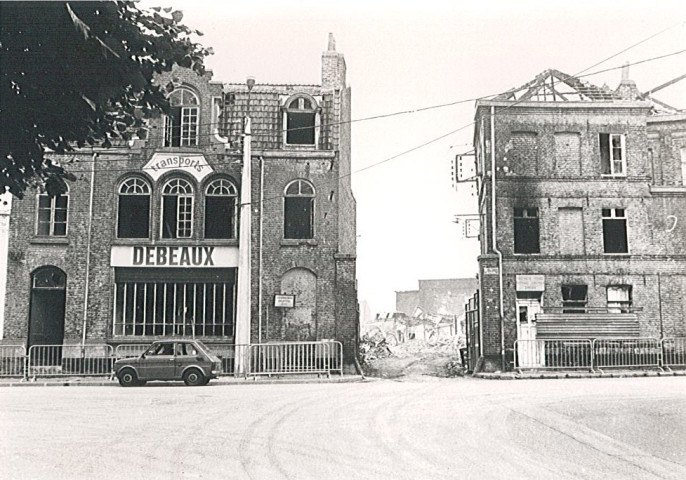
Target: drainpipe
{"points": [[495, 243], [88, 254], [259, 279]]}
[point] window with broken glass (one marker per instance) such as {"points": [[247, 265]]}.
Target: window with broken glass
{"points": [[612, 154], [300, 119], [299, 210], [51, 220], [526, 230], [220, 209], [177, 209], [574, 298], [181, 126], [619, 298], [614, 230], [133, 219]]}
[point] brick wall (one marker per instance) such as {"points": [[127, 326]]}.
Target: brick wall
{"points": [[335, 315], [564, 181]]}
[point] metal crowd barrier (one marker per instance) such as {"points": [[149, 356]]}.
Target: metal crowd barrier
{"points": [[228, 353], [296, 357], [69, 360], [12, 360], [673, 352], [554, 354], [626, 352]]}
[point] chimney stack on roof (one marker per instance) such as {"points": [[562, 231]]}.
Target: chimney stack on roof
{"points": [[333, 66], [627, 88]]}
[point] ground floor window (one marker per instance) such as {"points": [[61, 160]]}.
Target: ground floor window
{"points": [[182, 302], [574, 298]]}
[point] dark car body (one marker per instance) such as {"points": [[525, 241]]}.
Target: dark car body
{"points": [[177, 359]]}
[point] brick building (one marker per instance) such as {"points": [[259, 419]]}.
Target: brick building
{"points": [[234, 221], [584, 233]]}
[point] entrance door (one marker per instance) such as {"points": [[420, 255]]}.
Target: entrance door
{"points": [[48, 296], [529, 352], [46, 315]]}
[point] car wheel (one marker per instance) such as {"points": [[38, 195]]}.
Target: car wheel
{"points": [[128, 378], [194, 377]]}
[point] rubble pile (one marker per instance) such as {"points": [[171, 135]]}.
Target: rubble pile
{"points": [[374, 346]]}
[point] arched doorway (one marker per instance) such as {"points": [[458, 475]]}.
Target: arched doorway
{"points": [[48, 296], [300, 321]]}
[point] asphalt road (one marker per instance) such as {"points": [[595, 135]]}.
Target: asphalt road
{"points": [[421, 428]]}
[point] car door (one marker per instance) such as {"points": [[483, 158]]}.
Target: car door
{"points": [[158, 363], [186, 354]]}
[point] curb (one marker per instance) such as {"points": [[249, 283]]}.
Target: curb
{"points": [[566, 375], [78, 382]]}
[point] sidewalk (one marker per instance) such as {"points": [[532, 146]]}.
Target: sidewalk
{"points": [[224, 380], [579, 374]]}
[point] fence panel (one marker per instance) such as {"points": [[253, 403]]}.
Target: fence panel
{"points": [[228, 353], [296, 357], [626, 352], [555, 354], [70, 360], [674, 352], [12, 360]]}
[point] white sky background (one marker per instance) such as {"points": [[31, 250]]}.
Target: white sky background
{"points": [[407, 55]]}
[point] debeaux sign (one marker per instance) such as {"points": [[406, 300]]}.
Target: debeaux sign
{"points": [[174, 256]]}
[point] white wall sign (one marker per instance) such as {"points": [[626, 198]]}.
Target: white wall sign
{"points": [[174, 256], [530, 283], [284, 301], [490, 270], [193, 163]]}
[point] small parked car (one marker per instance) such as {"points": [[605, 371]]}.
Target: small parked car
{"points": [[178, 359]]}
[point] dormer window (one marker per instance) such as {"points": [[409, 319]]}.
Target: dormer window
{"points": [[300, 121], [181, 127]]}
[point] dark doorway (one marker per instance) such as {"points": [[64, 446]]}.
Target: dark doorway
{"points": [[48, 296]]}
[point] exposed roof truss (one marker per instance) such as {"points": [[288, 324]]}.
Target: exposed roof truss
{"points": [[555, 86]]}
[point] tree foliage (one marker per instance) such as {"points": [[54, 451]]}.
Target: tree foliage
{"points": [[77, 74]]}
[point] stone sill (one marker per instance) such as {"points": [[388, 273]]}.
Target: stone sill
{"points": [[298, 242], [49, 241]]}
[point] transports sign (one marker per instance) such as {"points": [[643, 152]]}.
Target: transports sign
{"points": [[174, 256], [193, 163]]}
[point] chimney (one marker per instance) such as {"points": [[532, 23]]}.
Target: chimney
{"points": [[627, 89], [333, 66]]}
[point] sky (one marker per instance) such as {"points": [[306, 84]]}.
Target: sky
{"points": [[409, 55]]}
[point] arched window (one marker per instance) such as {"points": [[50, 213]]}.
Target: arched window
{"points": [[177, 209], [181, 127], [300, 119], [220, 209], [133, 220], [299, 210], [51, 220]]}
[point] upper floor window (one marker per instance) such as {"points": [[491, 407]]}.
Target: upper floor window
{"points": [[177, 209], [181, 127], [220, 209], [299, 210], [613, 154], [52, 215], [300, 121], [619, 298], [133, 220], [526, 230], [614, 230]]}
